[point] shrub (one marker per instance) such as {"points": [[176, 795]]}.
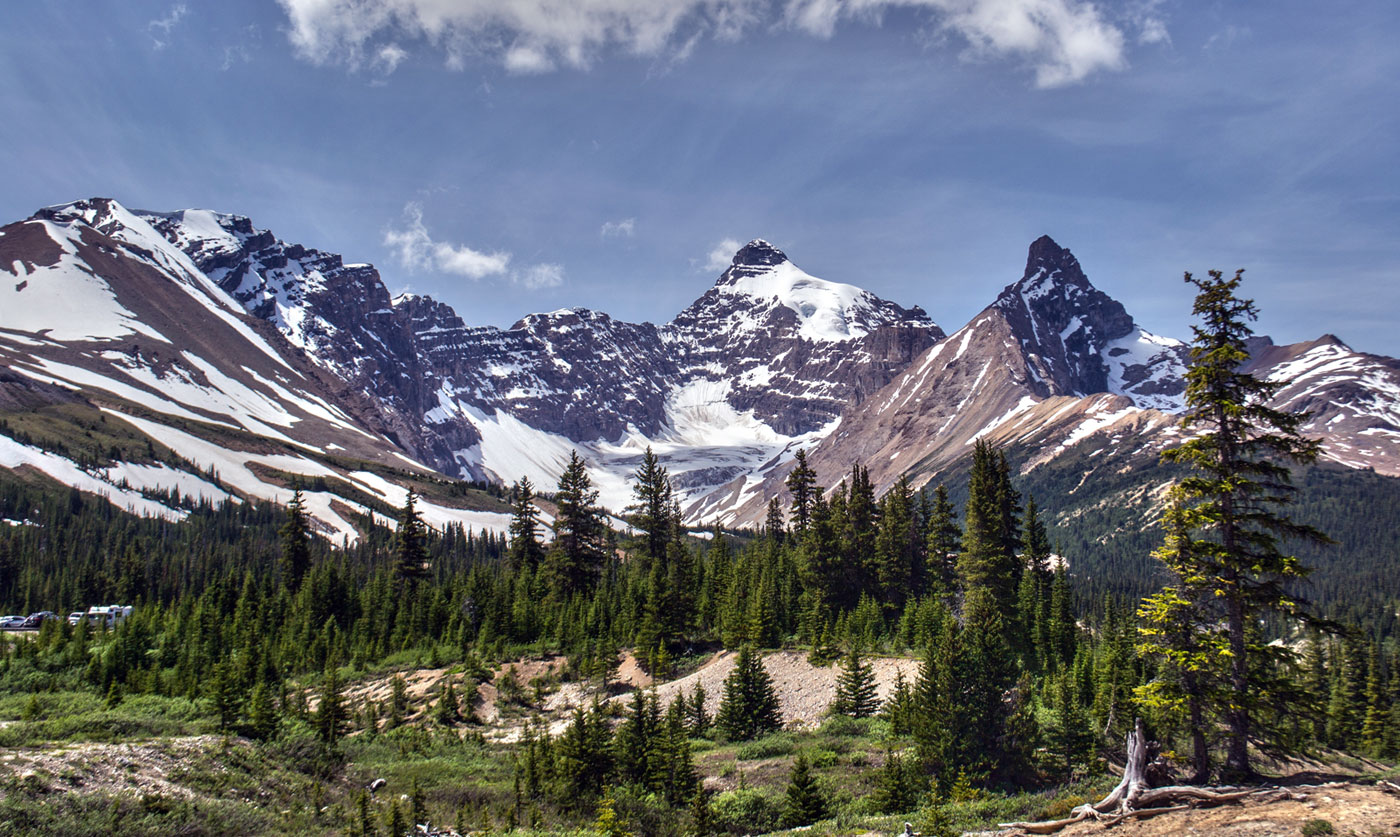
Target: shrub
{"points": [[745, 811], [1316, 828]]}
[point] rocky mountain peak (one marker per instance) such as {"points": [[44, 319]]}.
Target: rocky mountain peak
{"points": [[757, 253]]}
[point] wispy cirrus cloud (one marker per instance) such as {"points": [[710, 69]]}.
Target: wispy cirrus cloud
{"points": [[626, 228], [1062, 41], [160, 28], [538, 276]]}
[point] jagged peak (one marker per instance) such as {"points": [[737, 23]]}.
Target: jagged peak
{"points": [[758, 253]]}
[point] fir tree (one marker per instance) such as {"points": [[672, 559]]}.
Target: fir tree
{"points": [[802, 485], [525, 549], [410, 549], [750, 706], [1237, 485], [856, 694], [296, 542], [332, 716], [651, 513], [944, 542], [579, 552], [803, 802]]}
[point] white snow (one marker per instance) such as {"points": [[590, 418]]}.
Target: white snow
{"points": [[827, 311], [15, 455]]}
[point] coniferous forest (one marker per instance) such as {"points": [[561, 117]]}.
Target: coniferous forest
{"points": [[264, 644]]}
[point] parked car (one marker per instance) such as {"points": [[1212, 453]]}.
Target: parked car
{"points": [[36, 620], [75, 617], [11, 621]]}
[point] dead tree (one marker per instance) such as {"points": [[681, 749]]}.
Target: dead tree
{"points": [[1133, 799]]}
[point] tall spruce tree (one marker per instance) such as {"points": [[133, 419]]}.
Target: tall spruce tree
{"points": [[651, 513], [525, 548], [580, 534], [1238, 453], [296, 542], [802, 485], [944, 543], [410, 542]]}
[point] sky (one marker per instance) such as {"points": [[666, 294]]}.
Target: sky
{"points": [[514, 156]]}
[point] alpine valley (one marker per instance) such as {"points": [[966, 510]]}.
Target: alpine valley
{"points": [[163, 358]]}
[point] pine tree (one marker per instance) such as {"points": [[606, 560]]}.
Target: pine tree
{"points": [[446, 711], [699, 719], [750, 706], [525, 548], [651, 513], [802, 485], [579, 552], [332, 716], [410, 542], [985, 562], [296, 542], [855, 687], [1237, 484], [803, 802], [263, 719], [1186, 649], [1374, 721], [1067, 736], [944, 543]]}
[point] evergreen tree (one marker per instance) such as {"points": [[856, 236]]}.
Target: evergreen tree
{"points": [[986, 563], [525, 548], [1235, 452], [1067, 736], [651, 513], [855, 687], [944, 542], [750, 706], [803, 802], [1186, 649], [410, 539], [802, 485], [580, 547], [263, 719], [296, 542], [332, 716]]}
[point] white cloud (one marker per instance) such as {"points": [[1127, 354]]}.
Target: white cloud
{"points": [[626, 228], [389, 57], [722, 256], [416, 249], [1062, 41], [538, 276], [165, 24]]}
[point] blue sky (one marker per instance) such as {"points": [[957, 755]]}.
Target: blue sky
{"points": [[510, 156]]}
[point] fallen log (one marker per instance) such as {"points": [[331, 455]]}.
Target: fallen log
{"points": [[1133, 799]]}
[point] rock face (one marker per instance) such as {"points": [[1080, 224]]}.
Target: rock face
{"points": [[770, 355], [202, 316], [794, 349], [1054, 362]]}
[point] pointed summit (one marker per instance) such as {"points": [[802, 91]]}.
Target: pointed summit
{"points": [[758, 253]]}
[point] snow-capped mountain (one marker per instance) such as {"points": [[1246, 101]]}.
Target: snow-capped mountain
{"points": [[766, 359], [1054, 363], [267, 361]]}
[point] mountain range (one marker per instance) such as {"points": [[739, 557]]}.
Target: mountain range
{"points": [[247, 364]]}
